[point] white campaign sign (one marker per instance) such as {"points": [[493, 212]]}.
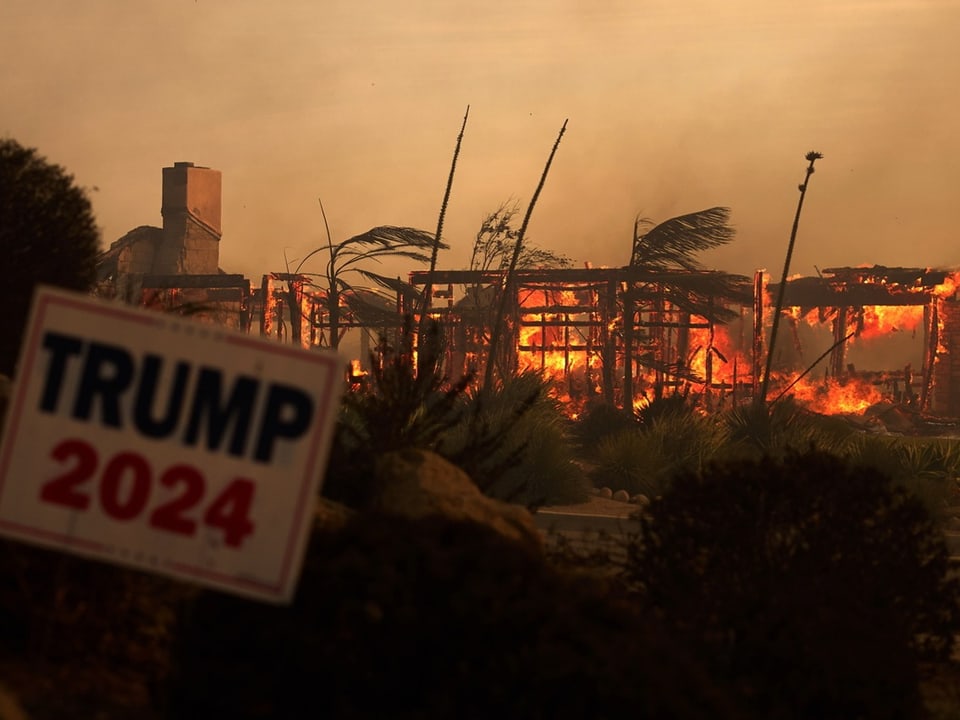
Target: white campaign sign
{"points": [[158, 442]]}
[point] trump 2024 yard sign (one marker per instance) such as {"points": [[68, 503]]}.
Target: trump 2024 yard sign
{"points": [[165, 444]]}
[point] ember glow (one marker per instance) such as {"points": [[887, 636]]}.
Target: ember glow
{"points": [[551, 343], [718, 363], [879, 320], [851, 392], [852, 338], [832, 397]]}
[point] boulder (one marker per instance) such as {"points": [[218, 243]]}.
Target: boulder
{"points": [[330, 515], [419, 483]]}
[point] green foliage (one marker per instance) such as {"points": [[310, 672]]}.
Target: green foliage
{"points": [[929, 468], [47, 236], [404, 407], [810, 586], [597, 422], [434, 618], [676, 404], [645, 459], [759, 430], [533, 460], [512, 442]]}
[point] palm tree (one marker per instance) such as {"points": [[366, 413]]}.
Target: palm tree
{"points": [[344, 261], [664, 270]]}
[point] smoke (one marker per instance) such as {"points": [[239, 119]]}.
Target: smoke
{"points": [[672, 108]]}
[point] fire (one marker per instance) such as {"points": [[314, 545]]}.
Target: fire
{"points": [[948, 287], [559, 336], [721, 351], [546, 340], [550, 345], [880, 320], [832, 397]]}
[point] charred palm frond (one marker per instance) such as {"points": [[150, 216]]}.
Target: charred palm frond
{"points": [[344, 258], [374, 244], [673, 243], [697, 294], [496, 240], [370, 308], [408, 293]]}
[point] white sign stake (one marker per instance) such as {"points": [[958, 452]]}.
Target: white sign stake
{"points": [[168, 445]]}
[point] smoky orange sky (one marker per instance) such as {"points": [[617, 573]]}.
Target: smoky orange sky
{"points": [[672, 107]]}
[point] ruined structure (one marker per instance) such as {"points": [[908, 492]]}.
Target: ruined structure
{"points": [[622, 335], [176, 267]]}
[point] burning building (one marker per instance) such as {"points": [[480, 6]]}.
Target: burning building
{"points": [[628, 335], [848, 339]]}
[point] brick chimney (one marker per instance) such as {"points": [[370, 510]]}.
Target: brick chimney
{"points": [[191, 221]]}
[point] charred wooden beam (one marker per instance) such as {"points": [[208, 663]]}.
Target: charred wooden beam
{"points": [[170, 282], [817, 292]]}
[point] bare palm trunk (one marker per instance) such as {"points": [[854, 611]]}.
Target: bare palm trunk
{"points": [[812, 157], [507, 288], [428, 286]]}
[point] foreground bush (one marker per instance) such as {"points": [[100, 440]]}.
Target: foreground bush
{"points": [[100, 634], [529, 457], [810, 587], [597, 422], [645, 459], [511, 440], [48, 235], [756, 431], [433, 619]]}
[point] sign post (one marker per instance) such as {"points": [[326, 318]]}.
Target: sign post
{"points": [[160, 443]]}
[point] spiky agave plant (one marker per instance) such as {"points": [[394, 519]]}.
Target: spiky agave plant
{"points": [[756, 430], [404, 406], [515, 443], [645, 459], [427, 294], [927, 467]]}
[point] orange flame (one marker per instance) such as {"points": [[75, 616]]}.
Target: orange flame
{"points": [[880, 320]]}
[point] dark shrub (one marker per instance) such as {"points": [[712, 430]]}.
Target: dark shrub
{"points": [[525, 455], [101, 632], [48, 235], [645, 459], [598, 422], [811, 587], [433, 619]]}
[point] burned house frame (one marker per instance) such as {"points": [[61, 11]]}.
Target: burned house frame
{"points": [[620, 335]]}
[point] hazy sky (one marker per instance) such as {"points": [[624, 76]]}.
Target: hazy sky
{"points": [[673, 107]]}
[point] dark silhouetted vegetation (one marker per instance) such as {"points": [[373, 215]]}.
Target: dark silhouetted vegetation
{"points": [[529, 457], [809, 586], [48, 236], [434, 619]]}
